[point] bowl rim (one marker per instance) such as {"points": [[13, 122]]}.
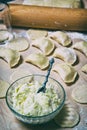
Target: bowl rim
{"points": [[35, 117]]}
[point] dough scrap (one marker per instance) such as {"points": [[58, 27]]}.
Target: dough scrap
{"points": [[66, 71], [19, 44], [68, 117], [61, 37], [34, 34], [38, 59], [66, 54], [45, 44], [79, 93], [11, 56], [4, 85], [81, 46]]}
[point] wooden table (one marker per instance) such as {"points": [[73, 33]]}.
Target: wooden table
{"points": [[7, 119]]}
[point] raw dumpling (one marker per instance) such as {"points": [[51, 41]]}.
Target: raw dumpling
{"points": [[19, 44], [84, 68], [79, 93], [44, 44], [68, 117], [61, 37], [5, 35], [34, 34], [11, 56], [38, 59], [66, 54], [81, 46], [66, 71]]}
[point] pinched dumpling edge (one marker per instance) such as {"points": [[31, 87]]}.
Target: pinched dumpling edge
{"points": [[61, 37], [45, 44], [60, 68], [84, 68], [33, 34], [13, 58], [34, 58], [81, 46], [66, 54]]}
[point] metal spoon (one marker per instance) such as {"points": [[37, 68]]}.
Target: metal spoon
{"points": [[43, 88]]}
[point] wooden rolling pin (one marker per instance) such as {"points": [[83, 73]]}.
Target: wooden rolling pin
{"points": [[48, 17]]}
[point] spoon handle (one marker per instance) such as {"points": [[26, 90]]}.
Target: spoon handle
{"points": [[43, 88], [48, 73]]}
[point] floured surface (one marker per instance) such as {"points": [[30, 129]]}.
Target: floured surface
{"points": [[6, 72], [3, 88], [68, 117]]}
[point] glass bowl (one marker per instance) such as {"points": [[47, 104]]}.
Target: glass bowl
{"points": [[41, 118]]}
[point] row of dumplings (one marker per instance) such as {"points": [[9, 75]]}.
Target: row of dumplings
{"points": [[47, 46], [42, 40], [46, 43], [59, 36]]}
